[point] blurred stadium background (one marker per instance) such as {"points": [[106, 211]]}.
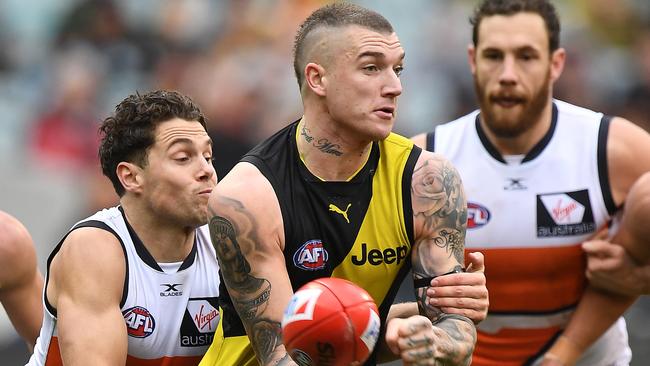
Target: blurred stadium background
{"points": [[64, 64]]}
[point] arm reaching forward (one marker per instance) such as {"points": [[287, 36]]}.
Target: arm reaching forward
{"points": [[440, 215]]}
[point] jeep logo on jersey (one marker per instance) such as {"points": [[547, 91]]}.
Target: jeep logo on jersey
{"points": [[311, 256], [139, 322], [564, 214], [199, 322], [376, 257], [477, 215]]}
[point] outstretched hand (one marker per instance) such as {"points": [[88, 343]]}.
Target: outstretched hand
{"points": [[462, 293]]}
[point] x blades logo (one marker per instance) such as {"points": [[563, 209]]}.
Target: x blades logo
{"points": [[515, 184], [171, 289]]}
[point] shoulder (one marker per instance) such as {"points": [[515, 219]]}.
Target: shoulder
{"points": [[17, 253], [94, 251], [420, 140], [628, 147], [436, 186], [245, 198], [432, 160]]}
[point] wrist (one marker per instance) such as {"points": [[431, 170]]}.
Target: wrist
{"points": [[564, 351]]}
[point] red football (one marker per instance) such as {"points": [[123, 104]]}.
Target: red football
{"points": [[330, 322]]}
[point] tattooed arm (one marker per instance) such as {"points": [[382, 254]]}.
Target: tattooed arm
{"points": [[462, 293], [247, 232], [440, 215]]}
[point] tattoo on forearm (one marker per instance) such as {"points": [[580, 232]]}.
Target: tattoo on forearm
{"points": [[266, 336], [249, 294], [456, 338]]}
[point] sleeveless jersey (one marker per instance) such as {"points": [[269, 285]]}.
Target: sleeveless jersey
{"points": [[170, 318], [529, 219], [360, 230]]}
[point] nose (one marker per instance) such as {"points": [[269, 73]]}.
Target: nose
{"points": [[206, 170], [393, 86], [508, 74]]}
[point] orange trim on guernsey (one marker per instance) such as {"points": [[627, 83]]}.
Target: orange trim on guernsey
{"points": [[54, 358], [534, 280], [510, 347]]}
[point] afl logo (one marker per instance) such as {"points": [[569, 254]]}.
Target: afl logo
{"points": [[139, 322], [477, 215], [311, 256]]}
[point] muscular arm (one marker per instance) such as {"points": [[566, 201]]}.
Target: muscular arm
{"points": [[440, 216], [460, 293], [21, 284], [599, 309], [245, 231], [85, 287]]}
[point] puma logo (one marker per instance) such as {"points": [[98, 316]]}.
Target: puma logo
{"points": [[339, 211]]}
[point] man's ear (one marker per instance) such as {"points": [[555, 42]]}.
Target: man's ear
{"points": [[471, 58], [316, 79], [558, 57], [130, 175]]}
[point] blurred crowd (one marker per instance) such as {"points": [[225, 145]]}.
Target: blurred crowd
{"points": [[64, 64]]}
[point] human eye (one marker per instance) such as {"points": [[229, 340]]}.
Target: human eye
{"points": [[371, 68], [492, 55], [209, 159], [527, 56], [399, 70]]}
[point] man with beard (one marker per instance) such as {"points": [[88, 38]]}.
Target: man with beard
{"points": [[541, 177]]}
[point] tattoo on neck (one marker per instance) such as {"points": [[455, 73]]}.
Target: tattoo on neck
{"points": [[327, 147], [305, 133], [323, 144]]}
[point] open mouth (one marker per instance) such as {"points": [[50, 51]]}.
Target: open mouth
{"points": [[507, 101], [386, 112]]}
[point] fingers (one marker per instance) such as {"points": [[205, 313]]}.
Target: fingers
{"points": [[476, 262], [459, 279], [416, 340], [392, 334], [413, 325], [601, 248]]}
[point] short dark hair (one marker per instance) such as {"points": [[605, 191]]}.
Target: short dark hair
{"points": [[129, 132], [543, 8], [333, 16]]}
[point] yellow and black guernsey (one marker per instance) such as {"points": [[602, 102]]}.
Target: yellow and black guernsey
{"points": [[360, 230]]}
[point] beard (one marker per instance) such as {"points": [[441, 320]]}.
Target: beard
{"points": [[511, 125]]}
